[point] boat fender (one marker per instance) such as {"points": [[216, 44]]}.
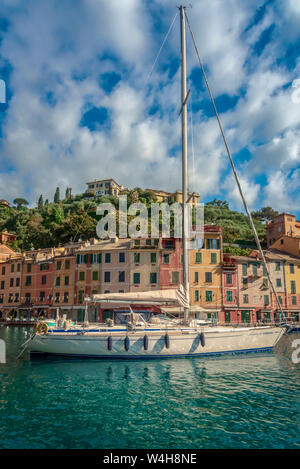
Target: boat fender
{"points": [[127, 343], [167, 341], [202, 339], [109, 342], [42, 328], [146, 342]]}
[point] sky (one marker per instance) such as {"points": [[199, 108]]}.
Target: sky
{"points": [[84, 101]]}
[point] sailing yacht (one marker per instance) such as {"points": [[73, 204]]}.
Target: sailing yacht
{"points": [[136, 338]]}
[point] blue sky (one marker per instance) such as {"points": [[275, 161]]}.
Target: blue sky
{"points": [[81, 104]]}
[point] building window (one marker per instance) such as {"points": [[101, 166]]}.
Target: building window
{"points": [[136, 257], [292, 269], [293, 286], [153, 277], [12, 267], [57, 283], [66, 297], [28, 268], [265, 284], [17, 298], [18, 267], [44, 279], [2, 285], [229, 279], [280, 299], [254, 269], [278, 282], [67, 264], [80, 296], [17, 282], [229, 295], [208, 277], [137, 242], [3, 270], [106, 277], [175, 277], [27, 298], [245, 269], [107, 257], [196, 295], [121, 256], [148, 242], [153, 257], [44, 266], [57, 297], [213, 258], [66, 280], [196, 277], [208, 296], [277, 266], [245, 299], [198, 257], [136, 277], [81, 276], [42, 296], [28, 280], [266, 299], [95, 275], [1, 298], [122, 276], [245, 282], [213, 244], [294, 300], [166, 258], [11, 283], [10, 298]]}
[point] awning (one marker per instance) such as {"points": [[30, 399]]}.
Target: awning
{"points": [[155, 297]]}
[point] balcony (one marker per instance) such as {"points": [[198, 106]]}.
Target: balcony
{"points": [[229, 263]]}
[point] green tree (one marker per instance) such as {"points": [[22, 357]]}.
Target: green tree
{"points": [[57, 196], [40, 202], [265, 214], [19, 202]]}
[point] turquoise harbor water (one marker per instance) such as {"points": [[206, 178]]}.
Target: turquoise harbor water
{"points": [[242, 401]]}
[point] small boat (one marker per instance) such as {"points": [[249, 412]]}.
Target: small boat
{"points": [[141, 339]]}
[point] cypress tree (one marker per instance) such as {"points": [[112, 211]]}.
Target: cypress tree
{"points": [[40, 202], [57, 196]]}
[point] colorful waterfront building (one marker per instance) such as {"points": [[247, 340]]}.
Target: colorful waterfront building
{"points": [[10, 286], [206, 273], [144, 264], [283, 225]]}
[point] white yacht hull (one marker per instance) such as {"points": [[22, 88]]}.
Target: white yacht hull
{"points": [[178, 343]]}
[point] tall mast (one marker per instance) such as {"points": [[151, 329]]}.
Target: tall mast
{"points": [[185, 227]]}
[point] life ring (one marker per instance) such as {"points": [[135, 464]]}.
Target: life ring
{"points": [[42, 328]]}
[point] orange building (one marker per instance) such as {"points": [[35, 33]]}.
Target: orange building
{"points": [[284, 225]]}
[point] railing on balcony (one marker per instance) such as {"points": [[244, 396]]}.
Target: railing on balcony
{"points": [[229, 262]]}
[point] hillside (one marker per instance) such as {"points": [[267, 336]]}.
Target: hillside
{"points": [[54, 223]]}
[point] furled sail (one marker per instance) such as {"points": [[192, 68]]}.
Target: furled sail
{"points": [[177, 296]]}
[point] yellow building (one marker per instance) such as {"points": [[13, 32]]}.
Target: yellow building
{"points": [[206, 273], [292, 285], [104, 187], [171, 197]]}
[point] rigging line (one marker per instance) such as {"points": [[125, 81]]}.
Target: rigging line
{"points": [[192, 142], [235, 173], [162, 45]]}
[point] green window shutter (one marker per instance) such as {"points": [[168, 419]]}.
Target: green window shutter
{"points": [[245, 298], [153, 277], [245, 282], [293, 286], [245, 268], [254, 269], [277, 266], [208, 295], [81, 275], [78, 259], [95, 275], [92, 258], [175, 277], [199, 257], [266, 299], [136, 277], [294, 300], [196, 295], [99, 258], [229, 295], [265, 283], [136, 257], [153, 257], [85, 258], [166, 259], [213, 258]]}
